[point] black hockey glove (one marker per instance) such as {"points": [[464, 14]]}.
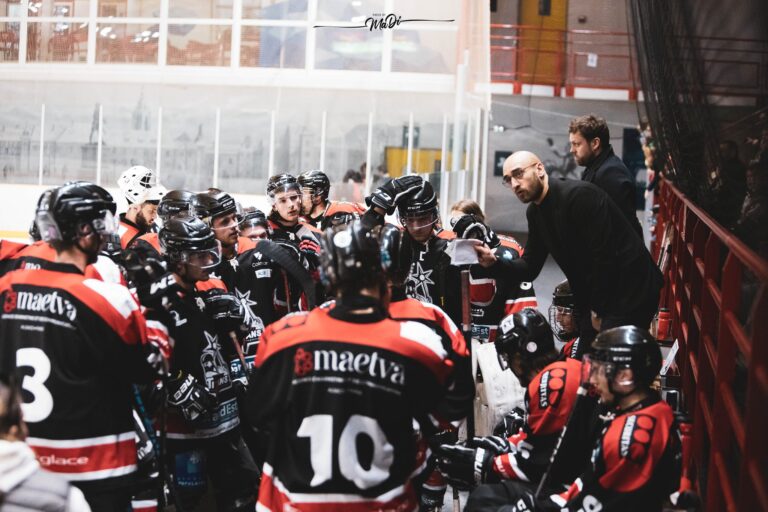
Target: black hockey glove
{"points": [[310, 249], [189, 396], [387, 196], [469, 465], [470, 227], [158, 293], [511, 423], [228, 312]]}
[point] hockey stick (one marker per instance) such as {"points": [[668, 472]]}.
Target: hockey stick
{"points": [[240, 356], [285, 260], [581, 395], [466, 329]]}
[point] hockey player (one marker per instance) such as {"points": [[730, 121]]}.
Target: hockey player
{"points": [[136, 186], [562, 316], [523, 451], [203, 419], [635, 464], [317, 209], [79, 343], [175, 203], [285, 224], [254, 225], [338, 389], [432, 277], [397, 258], [493, 295]]}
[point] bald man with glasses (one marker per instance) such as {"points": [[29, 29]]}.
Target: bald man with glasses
{"points": [[611, 272]]}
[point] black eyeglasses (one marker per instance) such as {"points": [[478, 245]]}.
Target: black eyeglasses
{"points": [[516, 174]]}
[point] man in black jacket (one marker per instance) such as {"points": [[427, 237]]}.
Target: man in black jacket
{"points": [[591, 146], [610, 271]]}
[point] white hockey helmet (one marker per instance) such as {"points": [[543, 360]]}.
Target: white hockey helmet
{"points": [[134, 183], [153, 194]]}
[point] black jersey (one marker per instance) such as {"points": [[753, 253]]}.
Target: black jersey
{"points": [[338, 394], [202, 351], [77, 343]]}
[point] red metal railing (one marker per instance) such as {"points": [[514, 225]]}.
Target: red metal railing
{"points": [[606, 60], [717, 290]]}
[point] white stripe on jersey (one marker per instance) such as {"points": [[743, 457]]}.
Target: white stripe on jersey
{"points": [[424, 336], [442, 314], [98, 475], [80, 443], [117, 295]]}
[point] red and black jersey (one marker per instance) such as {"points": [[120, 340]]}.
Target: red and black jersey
{"points": [[337, 393], [149, 244], [635, 465], [336, 213], [550, 398], [494, 295], [571, 348], [40, 255], [128, 231], [292, 234], [77, 343], [202, 351]]}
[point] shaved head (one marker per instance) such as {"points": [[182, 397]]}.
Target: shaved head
{"points": [[526, 176]]}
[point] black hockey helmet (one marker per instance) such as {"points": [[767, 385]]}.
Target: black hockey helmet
{"points": [[627, 347], [252, 216], [350, 257], [281, 183], [418, 203], [177, 203], [214, 203], [316, 181], [396, 253], [64, 211], [189, 240], [563, 305], [526, 333]]}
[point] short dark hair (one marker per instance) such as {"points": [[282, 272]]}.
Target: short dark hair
{"points": [[591, 127]]}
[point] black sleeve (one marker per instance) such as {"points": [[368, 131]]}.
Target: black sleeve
{"points": [[535, 254]]}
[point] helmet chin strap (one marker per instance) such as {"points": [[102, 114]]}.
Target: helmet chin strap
{"points": [[91, 256]]}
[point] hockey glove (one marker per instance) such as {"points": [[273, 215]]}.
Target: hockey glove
{"points": [[510, 424], [158, 293], [228, 312], [310, 249], [470, 227], [189, 396], [464, 467], [387, 196]]}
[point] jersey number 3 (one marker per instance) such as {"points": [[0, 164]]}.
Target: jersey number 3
{"points": [[42, 401], [319, 428]]}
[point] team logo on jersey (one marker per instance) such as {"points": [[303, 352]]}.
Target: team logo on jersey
{"points": [[551, 387], [361, 364], [302, 363], [482, 291], [636, 437], [10, 301], [40, 302], [215, 371], [418, 283]]}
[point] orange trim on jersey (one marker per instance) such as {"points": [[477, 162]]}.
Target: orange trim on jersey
{"points": [[128, 235], [131, 329], [210, 284], [9, 249], [151, 238], [335, 207], [85, 459], [244, 244], [309, 327], [511, 243], [42, 250], [414, 309], [446, 234]]}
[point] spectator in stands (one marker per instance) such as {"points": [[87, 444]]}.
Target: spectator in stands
{"points": [[606, 263], [591, 146], [752, 226]]}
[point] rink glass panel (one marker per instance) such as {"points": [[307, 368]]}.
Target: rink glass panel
{"points": [[127, 43], [273, 47], [60, 41]]}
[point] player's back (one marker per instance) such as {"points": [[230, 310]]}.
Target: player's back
{"points": [[339, 398]]}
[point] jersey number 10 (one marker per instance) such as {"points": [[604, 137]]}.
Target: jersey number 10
{"points": [[319, 429]]}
